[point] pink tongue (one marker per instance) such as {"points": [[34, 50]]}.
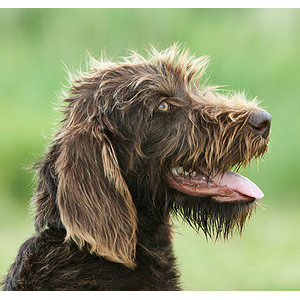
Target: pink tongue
{"points": [[238, 183]]}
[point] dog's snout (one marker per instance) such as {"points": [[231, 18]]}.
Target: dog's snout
{"points": [[260, 122]]}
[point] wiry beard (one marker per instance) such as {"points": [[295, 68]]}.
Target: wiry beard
{"points": [[215, 219]]}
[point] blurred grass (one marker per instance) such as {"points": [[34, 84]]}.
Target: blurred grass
{"points": [[256, 49]]}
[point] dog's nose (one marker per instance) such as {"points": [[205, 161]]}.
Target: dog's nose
{"points": [[260, 122]]}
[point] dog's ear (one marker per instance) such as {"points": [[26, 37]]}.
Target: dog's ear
{"points": [[94, 202]]}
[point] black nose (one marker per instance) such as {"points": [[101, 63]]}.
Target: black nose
{"points": [[260, 122]]}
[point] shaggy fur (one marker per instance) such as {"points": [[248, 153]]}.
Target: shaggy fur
{"points": [[104, 198]]}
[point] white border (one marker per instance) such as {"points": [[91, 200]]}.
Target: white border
{"points": [[149, 4]]}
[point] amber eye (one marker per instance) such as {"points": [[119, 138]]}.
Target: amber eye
{"points": [[164, 106]]}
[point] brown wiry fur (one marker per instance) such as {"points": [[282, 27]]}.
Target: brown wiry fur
{"points": [[102, 196]]}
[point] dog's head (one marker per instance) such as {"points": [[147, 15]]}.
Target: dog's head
{"points": [[145, 130]]}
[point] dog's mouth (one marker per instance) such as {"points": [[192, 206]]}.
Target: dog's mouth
{"points": [[222, 187]]}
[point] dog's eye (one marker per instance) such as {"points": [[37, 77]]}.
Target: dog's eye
{"points": [[164, 106]]}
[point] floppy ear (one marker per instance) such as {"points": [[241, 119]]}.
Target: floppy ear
{"points": [[94, 201]]}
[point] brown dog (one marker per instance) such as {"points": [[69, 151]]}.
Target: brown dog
{"points": [[140, 140]]}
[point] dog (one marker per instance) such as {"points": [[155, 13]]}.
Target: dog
{"points": [[140, 140]]}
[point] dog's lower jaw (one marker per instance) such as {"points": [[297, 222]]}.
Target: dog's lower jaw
{"points": [[214, 218]]}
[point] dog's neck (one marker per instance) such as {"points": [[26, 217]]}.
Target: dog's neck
{"points": [[154, 224]]}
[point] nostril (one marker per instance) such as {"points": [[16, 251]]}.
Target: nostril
{"points": [[260, 122]]}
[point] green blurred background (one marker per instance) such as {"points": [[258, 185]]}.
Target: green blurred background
{"points": [[253, 49]]}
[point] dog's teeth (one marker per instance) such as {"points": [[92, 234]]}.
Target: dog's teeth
{"points": [[174, 171], [179, 170]]}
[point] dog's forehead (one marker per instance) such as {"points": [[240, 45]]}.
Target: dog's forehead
{"points": [[163, 81], [180, 79], [177, 79]]}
